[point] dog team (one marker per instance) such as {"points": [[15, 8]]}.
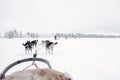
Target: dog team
{"points": [[49, 45]]}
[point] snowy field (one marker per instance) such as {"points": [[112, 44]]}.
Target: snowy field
{"points": [[84, 59]]}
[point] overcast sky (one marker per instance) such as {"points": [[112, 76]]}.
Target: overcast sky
{"points": [[84, 16]]}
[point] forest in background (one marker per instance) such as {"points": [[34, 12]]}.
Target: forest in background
{"points": [[19, 34]]}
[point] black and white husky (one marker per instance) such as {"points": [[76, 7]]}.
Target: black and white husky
{"points": [[49, 46], [28, 46]]}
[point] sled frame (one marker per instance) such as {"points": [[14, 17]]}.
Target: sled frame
{"points": [[2, 75]]}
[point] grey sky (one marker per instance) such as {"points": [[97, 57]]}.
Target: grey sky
{"points": [[85, 16]]}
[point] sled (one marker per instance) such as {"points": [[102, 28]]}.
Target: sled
{"points": [[33, 59]]}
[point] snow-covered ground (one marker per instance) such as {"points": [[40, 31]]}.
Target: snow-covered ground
{"points": [[84, 59]]}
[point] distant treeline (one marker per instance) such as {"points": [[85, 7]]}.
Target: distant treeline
{"points": [[18, 34], [80, 35]]}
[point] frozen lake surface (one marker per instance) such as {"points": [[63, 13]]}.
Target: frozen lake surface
{"points": [[84, 59]]}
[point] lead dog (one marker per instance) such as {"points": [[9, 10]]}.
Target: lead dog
{"points": [[38, 74], [49, 46], [34, 43], [28, 47]]}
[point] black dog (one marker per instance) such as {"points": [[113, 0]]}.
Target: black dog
{"points": [[34, 43], [28, 46]]}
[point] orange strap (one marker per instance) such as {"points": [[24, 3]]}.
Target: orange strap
{"points": [[33, 64]]}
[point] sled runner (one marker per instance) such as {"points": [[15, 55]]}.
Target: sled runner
{"points": [[2, 75]]}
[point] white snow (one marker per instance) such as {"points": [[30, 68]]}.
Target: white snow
{"points": [[84, 59]]}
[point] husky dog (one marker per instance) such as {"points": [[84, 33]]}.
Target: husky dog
{"points": [[49, 46], [34, 43], [28, 46]]}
